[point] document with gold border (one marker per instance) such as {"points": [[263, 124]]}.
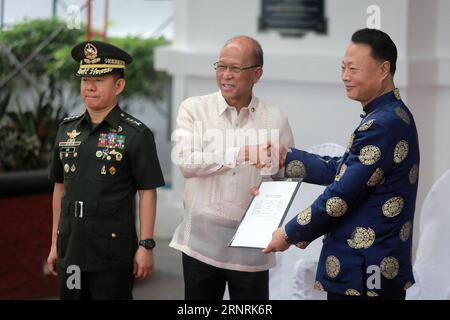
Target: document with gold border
{"points": [[265, 213]]}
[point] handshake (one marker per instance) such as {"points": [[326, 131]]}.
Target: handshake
{"points": [[269, 156]]}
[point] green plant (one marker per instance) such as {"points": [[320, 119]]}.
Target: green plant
{"points": [[28, 128], [28, 133]]}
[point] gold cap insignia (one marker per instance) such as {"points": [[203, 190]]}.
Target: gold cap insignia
{"points": [[90, 51]]}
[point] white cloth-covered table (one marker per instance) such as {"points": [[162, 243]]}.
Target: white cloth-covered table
{"points": [[433, 254]]}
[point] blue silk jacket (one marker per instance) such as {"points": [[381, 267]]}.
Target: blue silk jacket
{"points": [[366, 211]]}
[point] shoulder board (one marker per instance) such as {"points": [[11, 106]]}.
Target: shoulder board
{"points": [[132, 121], [71, 118]]}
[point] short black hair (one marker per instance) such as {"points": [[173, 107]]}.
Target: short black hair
{"points": [[118, 73], [383, 48]]}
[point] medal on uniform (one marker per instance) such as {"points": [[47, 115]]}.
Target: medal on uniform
{"points": [[112, 170], [110, 143], [103, 170], [66, 168], [73, 168], [111, 140]]}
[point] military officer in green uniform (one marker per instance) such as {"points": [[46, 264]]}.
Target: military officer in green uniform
{"points": [[101, 159]]}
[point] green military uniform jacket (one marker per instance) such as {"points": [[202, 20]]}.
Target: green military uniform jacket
{"points": [[101, 167]]}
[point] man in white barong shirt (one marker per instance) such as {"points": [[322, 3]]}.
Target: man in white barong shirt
{"points": [[219, 138]]}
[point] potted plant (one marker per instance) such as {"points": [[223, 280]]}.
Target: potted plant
{"points": [[32, 104]]}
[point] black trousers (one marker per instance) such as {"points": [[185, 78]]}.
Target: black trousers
{"points": [[205, 282], [103, 285], [389, 296]]}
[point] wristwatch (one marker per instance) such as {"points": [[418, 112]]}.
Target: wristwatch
{"points": [[148, 244]]}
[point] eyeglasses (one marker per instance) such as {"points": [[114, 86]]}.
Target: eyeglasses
{"points": [[233, 69]]}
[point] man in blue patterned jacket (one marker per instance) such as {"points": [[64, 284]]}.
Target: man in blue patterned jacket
{"points": [[367, 209]]}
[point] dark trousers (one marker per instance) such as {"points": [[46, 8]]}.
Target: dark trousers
{"points": [[386, 296], [205, 282], [103, 285]]}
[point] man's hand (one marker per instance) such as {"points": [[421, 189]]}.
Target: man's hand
{"points": [[254, 191], [51, 261], [142, 263], [281, 151], [278, 242], [258, 155], [269, 157]]}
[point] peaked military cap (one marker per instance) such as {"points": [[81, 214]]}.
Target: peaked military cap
{"points": [[98, 58]]}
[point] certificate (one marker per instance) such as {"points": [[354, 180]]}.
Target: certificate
{"points": [[265, 213]]}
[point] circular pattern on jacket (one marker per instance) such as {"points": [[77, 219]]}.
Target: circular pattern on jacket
{"points": [[401, 151], [336, 207], [369, 155], [376, 178], [405, 231], [341, 172], [366, 125], [318, 286], [372, 294], [361, 238], [413, 173], [332, 266], [393, 207], [302, 244], [389, 267], [296, 169], [352, 292], [403, 115], [407, 285], [350, 142], [304, 217]]}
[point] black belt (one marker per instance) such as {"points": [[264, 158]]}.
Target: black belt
{"points": [[80, 208]]}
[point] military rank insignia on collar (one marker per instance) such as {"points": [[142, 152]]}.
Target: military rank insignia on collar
{"points": [[133, 121]]}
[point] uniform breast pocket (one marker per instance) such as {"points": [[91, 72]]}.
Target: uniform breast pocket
{"points": [[108, 170], [69, 157]]}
